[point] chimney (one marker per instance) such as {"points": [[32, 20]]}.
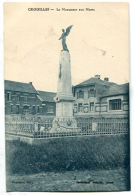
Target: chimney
{"points": [[97, 76], [30, 83], [106, 79]]}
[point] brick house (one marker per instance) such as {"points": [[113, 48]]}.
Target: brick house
{"points": [[48, 103], [95, 97], [24, 99]]}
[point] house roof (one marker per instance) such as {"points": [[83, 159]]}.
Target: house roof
{"points": [[106, 88], [117, 90], [47, 96], [20, 87], [93, 80]]}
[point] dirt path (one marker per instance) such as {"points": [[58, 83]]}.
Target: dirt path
{"points": [[108, 180]]}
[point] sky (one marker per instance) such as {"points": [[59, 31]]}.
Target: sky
{"points": [[98, 42]]}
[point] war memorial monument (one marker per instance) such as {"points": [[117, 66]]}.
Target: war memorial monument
{"points": [[64, 120]]}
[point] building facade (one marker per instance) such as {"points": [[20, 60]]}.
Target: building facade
{"points": [[93, 98], [48, 103], [101, 98], [23, 99]]}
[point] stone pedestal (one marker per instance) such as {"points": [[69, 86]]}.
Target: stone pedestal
{"points": [[64, 120]]}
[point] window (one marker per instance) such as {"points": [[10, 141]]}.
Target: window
{"points": [[80, 107], [91, 93], [25, 99], [17, 109], [34, 112], [80, 94], [26, 109], [115, 104], [91, 106], [50, 109], [9, 97], [17, 98]]}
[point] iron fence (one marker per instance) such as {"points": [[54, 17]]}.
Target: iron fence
{"points": [[85, 126]]}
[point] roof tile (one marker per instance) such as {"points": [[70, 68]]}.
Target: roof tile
{"points": [[93, 80], [20, 87], [117, 90], [47, 96]]}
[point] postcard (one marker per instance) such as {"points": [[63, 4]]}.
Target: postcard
{"points": [[67, 97]]}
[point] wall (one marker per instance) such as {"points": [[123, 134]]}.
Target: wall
{"points": [[116, 113], [85, 101], [32, 100], [101, 105]]}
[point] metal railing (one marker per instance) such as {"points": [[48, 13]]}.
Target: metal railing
{"points": [[98, 126], [20, 127], [85, 126]]}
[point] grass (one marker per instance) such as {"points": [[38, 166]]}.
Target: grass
{"points": [[67, 154]]}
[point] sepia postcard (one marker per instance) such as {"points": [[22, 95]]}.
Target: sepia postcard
{"points": [[66, 74]]}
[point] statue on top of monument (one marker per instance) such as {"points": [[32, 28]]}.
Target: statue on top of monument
{"points": [[63, 37]]}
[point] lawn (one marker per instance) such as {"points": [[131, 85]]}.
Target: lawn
{"points": [[64, 164]]}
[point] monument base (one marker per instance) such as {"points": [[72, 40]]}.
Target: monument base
{"points": [[64, 124]]}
